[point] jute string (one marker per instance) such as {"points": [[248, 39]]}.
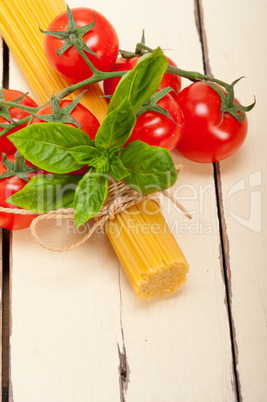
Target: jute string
{"points": [[119, 198]]}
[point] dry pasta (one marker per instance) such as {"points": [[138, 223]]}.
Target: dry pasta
{"points": [[147, 250]]}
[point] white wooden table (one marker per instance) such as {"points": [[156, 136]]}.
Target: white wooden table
{"points": [[78, 333]]}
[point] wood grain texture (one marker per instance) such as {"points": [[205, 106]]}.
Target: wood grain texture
{"points": [[78, 331], [66, 323], [233, 52]]}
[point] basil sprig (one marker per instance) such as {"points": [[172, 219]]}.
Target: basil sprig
{"points": [[150, 168], [46, 145], [46, 192], [141, 82], [62, 149], [89, 197]]}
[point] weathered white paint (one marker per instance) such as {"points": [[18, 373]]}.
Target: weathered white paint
{"points": [[65, 322], [237, 43], [70, 310]]}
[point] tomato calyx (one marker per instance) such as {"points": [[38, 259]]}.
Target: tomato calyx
{"points": [[4, 112], [228, 105], [139, 50], [9, 126], [17, 168], [59, 114], [6, 105], [4, 109], [73, 36], [18, 103], [151, 104]]}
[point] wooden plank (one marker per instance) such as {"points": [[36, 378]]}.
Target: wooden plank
{"points": [[73, 312], [66, 327], [233, 52], [179, 348]]}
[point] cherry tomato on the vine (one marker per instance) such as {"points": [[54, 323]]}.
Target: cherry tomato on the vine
{"points": [[102, 39], [8, 187], [168, 80], [157, 129], [16, 114], [88, 122], [208, 136]]}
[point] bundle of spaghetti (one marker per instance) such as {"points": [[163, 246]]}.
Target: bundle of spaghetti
{"points": [[19, 25], [147, 250]]}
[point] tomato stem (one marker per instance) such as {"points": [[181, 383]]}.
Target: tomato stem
{"points": [[191, 75], [29, 109], [227, 100], [17, 161], [85, 58], [230, 96], [55, 108], [194, 76], [96, 77], [228, 104]]}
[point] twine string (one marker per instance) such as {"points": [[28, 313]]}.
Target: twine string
{"points": [[120, 198]]}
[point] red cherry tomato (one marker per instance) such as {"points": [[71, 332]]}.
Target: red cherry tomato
{"points": [[17, 114], [207, 136], [102, 40], [157, 129], [88, 122], [8, 187], [168, 80]]}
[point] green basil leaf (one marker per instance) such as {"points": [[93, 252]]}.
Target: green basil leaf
{"points": [[90, 195], [151, 168], [117, 127], [117, 170], [46, 145], [44, 193], [141, 82], [84, 154]]}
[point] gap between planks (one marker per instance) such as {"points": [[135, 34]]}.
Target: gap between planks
{"points": [[224, 241], [5, 315], [5, 375], [124, 370]]}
